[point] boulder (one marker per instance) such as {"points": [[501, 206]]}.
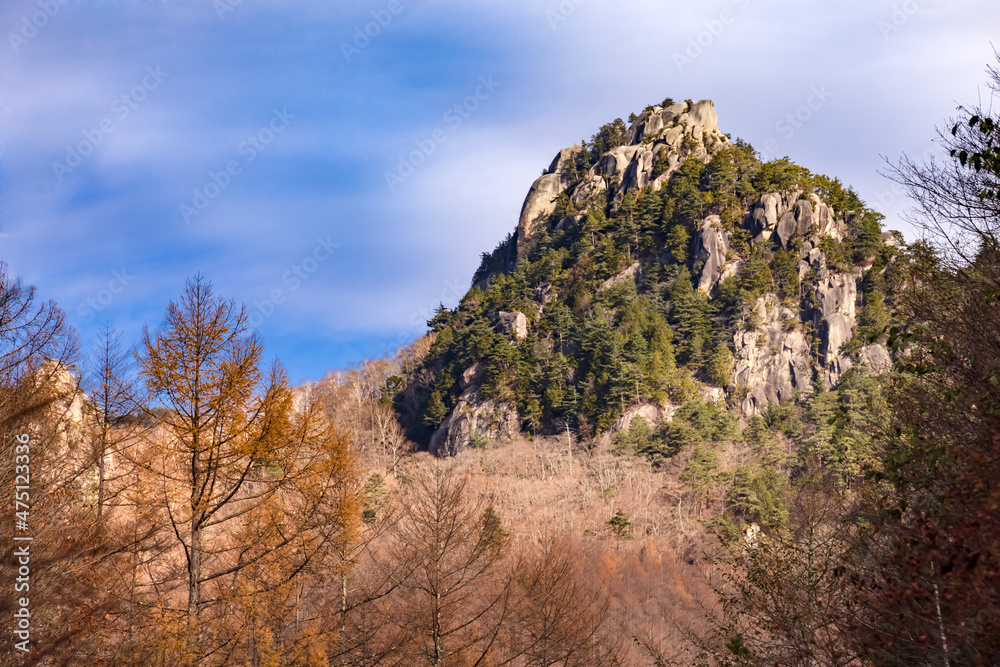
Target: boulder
{"points": [[876, 359], [702, 114], [639, 171], [541, 199], [628, 274], [565, 160], [513, 324], [762, 219], [804, 216], [787, 226], [470, 376], [651, 412], [473, 417], [653, 123], [711, 247]]}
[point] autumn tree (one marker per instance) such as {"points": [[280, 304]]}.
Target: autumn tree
{"points": [[115, 403], [903, 567], [31, 332], [72, 588], [559, 612], [253, 485], [454, 599], [784, 594], [360, 400]]}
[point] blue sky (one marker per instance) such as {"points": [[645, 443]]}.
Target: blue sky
{"points": [[144, 141]]}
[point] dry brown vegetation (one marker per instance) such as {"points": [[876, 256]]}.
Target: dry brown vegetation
{"points": [[244, 523]]}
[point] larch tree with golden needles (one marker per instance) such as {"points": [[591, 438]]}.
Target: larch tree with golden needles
{"points": [[255, 484]]}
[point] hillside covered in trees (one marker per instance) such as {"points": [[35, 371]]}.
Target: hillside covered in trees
{"points": [[697, 409], [660, 265]]}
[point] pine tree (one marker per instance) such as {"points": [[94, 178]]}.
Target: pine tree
{"points": [[690, 312], [619, 526]]}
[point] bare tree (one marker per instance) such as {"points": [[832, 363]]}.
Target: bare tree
{"points": [[558, 613], [115, 399], [454, 602]]}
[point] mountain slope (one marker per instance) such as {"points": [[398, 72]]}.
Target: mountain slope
{"points": [[656, 265]]}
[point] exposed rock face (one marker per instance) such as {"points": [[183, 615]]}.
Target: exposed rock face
{"points": [[824, 219], [473, 417], [652, 123], [779, 217], [541, 199], [762, 219], [656, 144], [876, 359], [628, 274], [470, 376], [772, 360], [651, 412], [513, 324], [711, 248], [834, 319], [790, 345], [658, 135]]}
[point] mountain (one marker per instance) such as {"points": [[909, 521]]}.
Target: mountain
{"points": [[656, 265]]}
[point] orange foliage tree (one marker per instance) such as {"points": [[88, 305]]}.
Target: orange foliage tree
{"points": [[256, 487]]}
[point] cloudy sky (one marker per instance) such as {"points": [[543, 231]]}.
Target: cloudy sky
{"points": [[340, 166]]}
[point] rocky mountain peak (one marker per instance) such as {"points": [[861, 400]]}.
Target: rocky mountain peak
{"points": [[657, 264], [645, 154]]}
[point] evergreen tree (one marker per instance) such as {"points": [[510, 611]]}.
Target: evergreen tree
{"points": [[686, 192], [720, 366], [700, 473], [691, 315]]}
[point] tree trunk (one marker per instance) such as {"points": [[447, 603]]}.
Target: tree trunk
{"points": [[101, 473]]}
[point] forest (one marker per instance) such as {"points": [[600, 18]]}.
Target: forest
{"points": [[181, 502]]}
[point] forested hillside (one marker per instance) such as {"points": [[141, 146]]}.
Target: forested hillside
{"points": [[660, 264], [697, 409]]}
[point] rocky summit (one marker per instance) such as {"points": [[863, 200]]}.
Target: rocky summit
{"points": [[658, 263]]}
